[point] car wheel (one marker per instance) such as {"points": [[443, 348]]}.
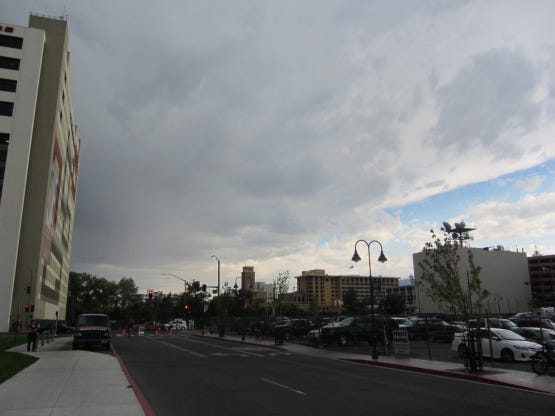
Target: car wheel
{"points": [[342, 340], [507, 356], [463, 352]]}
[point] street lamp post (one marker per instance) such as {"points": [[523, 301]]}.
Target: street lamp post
{"points": [[381, 259], [177, 277], [218, 260]]}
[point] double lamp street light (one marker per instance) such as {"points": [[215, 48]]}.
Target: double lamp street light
{"points": [[381, 259]]}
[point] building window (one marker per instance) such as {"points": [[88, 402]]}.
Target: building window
{"points": [[8, 84], [6, 108], [11, 41], [9, 63]]}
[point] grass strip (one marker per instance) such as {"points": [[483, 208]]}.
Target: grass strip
{"points": [[12, 363]]}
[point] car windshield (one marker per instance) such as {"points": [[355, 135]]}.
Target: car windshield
{"points": [[507, 334], [346, 321], [93, 320]]}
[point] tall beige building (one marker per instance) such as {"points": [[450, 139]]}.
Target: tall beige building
{"points": [[327, 291], [39, 161]]}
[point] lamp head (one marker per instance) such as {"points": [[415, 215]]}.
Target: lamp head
{"points": [[382, 258], [356, 257]]}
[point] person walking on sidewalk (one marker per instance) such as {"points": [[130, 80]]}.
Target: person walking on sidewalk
{"points": [[32, 334]]}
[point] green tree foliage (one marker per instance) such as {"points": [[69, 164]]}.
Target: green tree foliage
{"points": [[351, 304], [392, 304], [91, 294], [441, 271]]}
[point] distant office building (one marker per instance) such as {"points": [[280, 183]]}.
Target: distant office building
{"points": [[315, 287], [542, 279], [407, 290], [504, 274], [39, 161], [248, 281]]}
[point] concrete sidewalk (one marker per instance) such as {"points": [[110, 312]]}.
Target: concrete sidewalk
{"points": [[67, 382]]}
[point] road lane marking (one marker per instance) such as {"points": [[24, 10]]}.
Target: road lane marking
{"points": [[177, 347], [283, 386]]}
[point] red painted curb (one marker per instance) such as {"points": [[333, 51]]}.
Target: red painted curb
{"points": [[138, 393], [446, 373]]}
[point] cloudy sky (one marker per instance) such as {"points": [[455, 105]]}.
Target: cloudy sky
{"points": [[275, 134]]}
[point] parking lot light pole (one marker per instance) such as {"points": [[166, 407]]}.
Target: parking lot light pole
{"points": [[381, 259], [218, 260]]}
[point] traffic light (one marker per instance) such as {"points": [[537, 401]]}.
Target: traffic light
{"points": [[32, 308], [27, 306], [28, 290], [186, 307], [150, 293], [204, 288]]}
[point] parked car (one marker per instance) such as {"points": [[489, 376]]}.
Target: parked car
{"points": [[403, 323], [151, 326], [50, 325], [295, 328], [535, 322], [92, 329], [506, 345], [538, 335], [176, 325], [356, 329], [432, 328], [493, 323]]}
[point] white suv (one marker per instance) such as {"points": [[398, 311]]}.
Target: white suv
{"points": [[178, 325]]}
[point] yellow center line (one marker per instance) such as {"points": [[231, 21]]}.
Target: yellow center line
{"points": [[177, 347], [283, 386]]}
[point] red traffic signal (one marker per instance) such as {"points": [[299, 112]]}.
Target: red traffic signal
{"points": [[27, 306], [186, 307], [150, 293]]}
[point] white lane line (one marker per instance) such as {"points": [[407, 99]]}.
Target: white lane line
{"points": [[283, 386]]}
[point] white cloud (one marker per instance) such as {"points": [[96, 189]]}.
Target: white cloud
{"points": [[274, 134]]}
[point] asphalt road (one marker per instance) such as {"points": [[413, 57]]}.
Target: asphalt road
{"points": [[192, 375]]}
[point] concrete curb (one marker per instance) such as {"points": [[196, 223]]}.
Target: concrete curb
{"points": [[451, 374]]}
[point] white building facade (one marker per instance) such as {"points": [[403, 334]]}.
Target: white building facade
{"points": [[504, 274], [39, 160]]}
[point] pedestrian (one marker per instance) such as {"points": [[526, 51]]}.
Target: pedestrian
{"points": [[130, 325], [32, 334]]}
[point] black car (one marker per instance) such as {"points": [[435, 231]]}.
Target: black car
{"points": [[535, 334], [357, 328], [434, 329], [92, 329], [295, 328]]}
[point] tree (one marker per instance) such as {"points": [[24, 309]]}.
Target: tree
{"points": [[281, 287], [441, 271], [351, 304], [393, 304], [87, 294]]}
